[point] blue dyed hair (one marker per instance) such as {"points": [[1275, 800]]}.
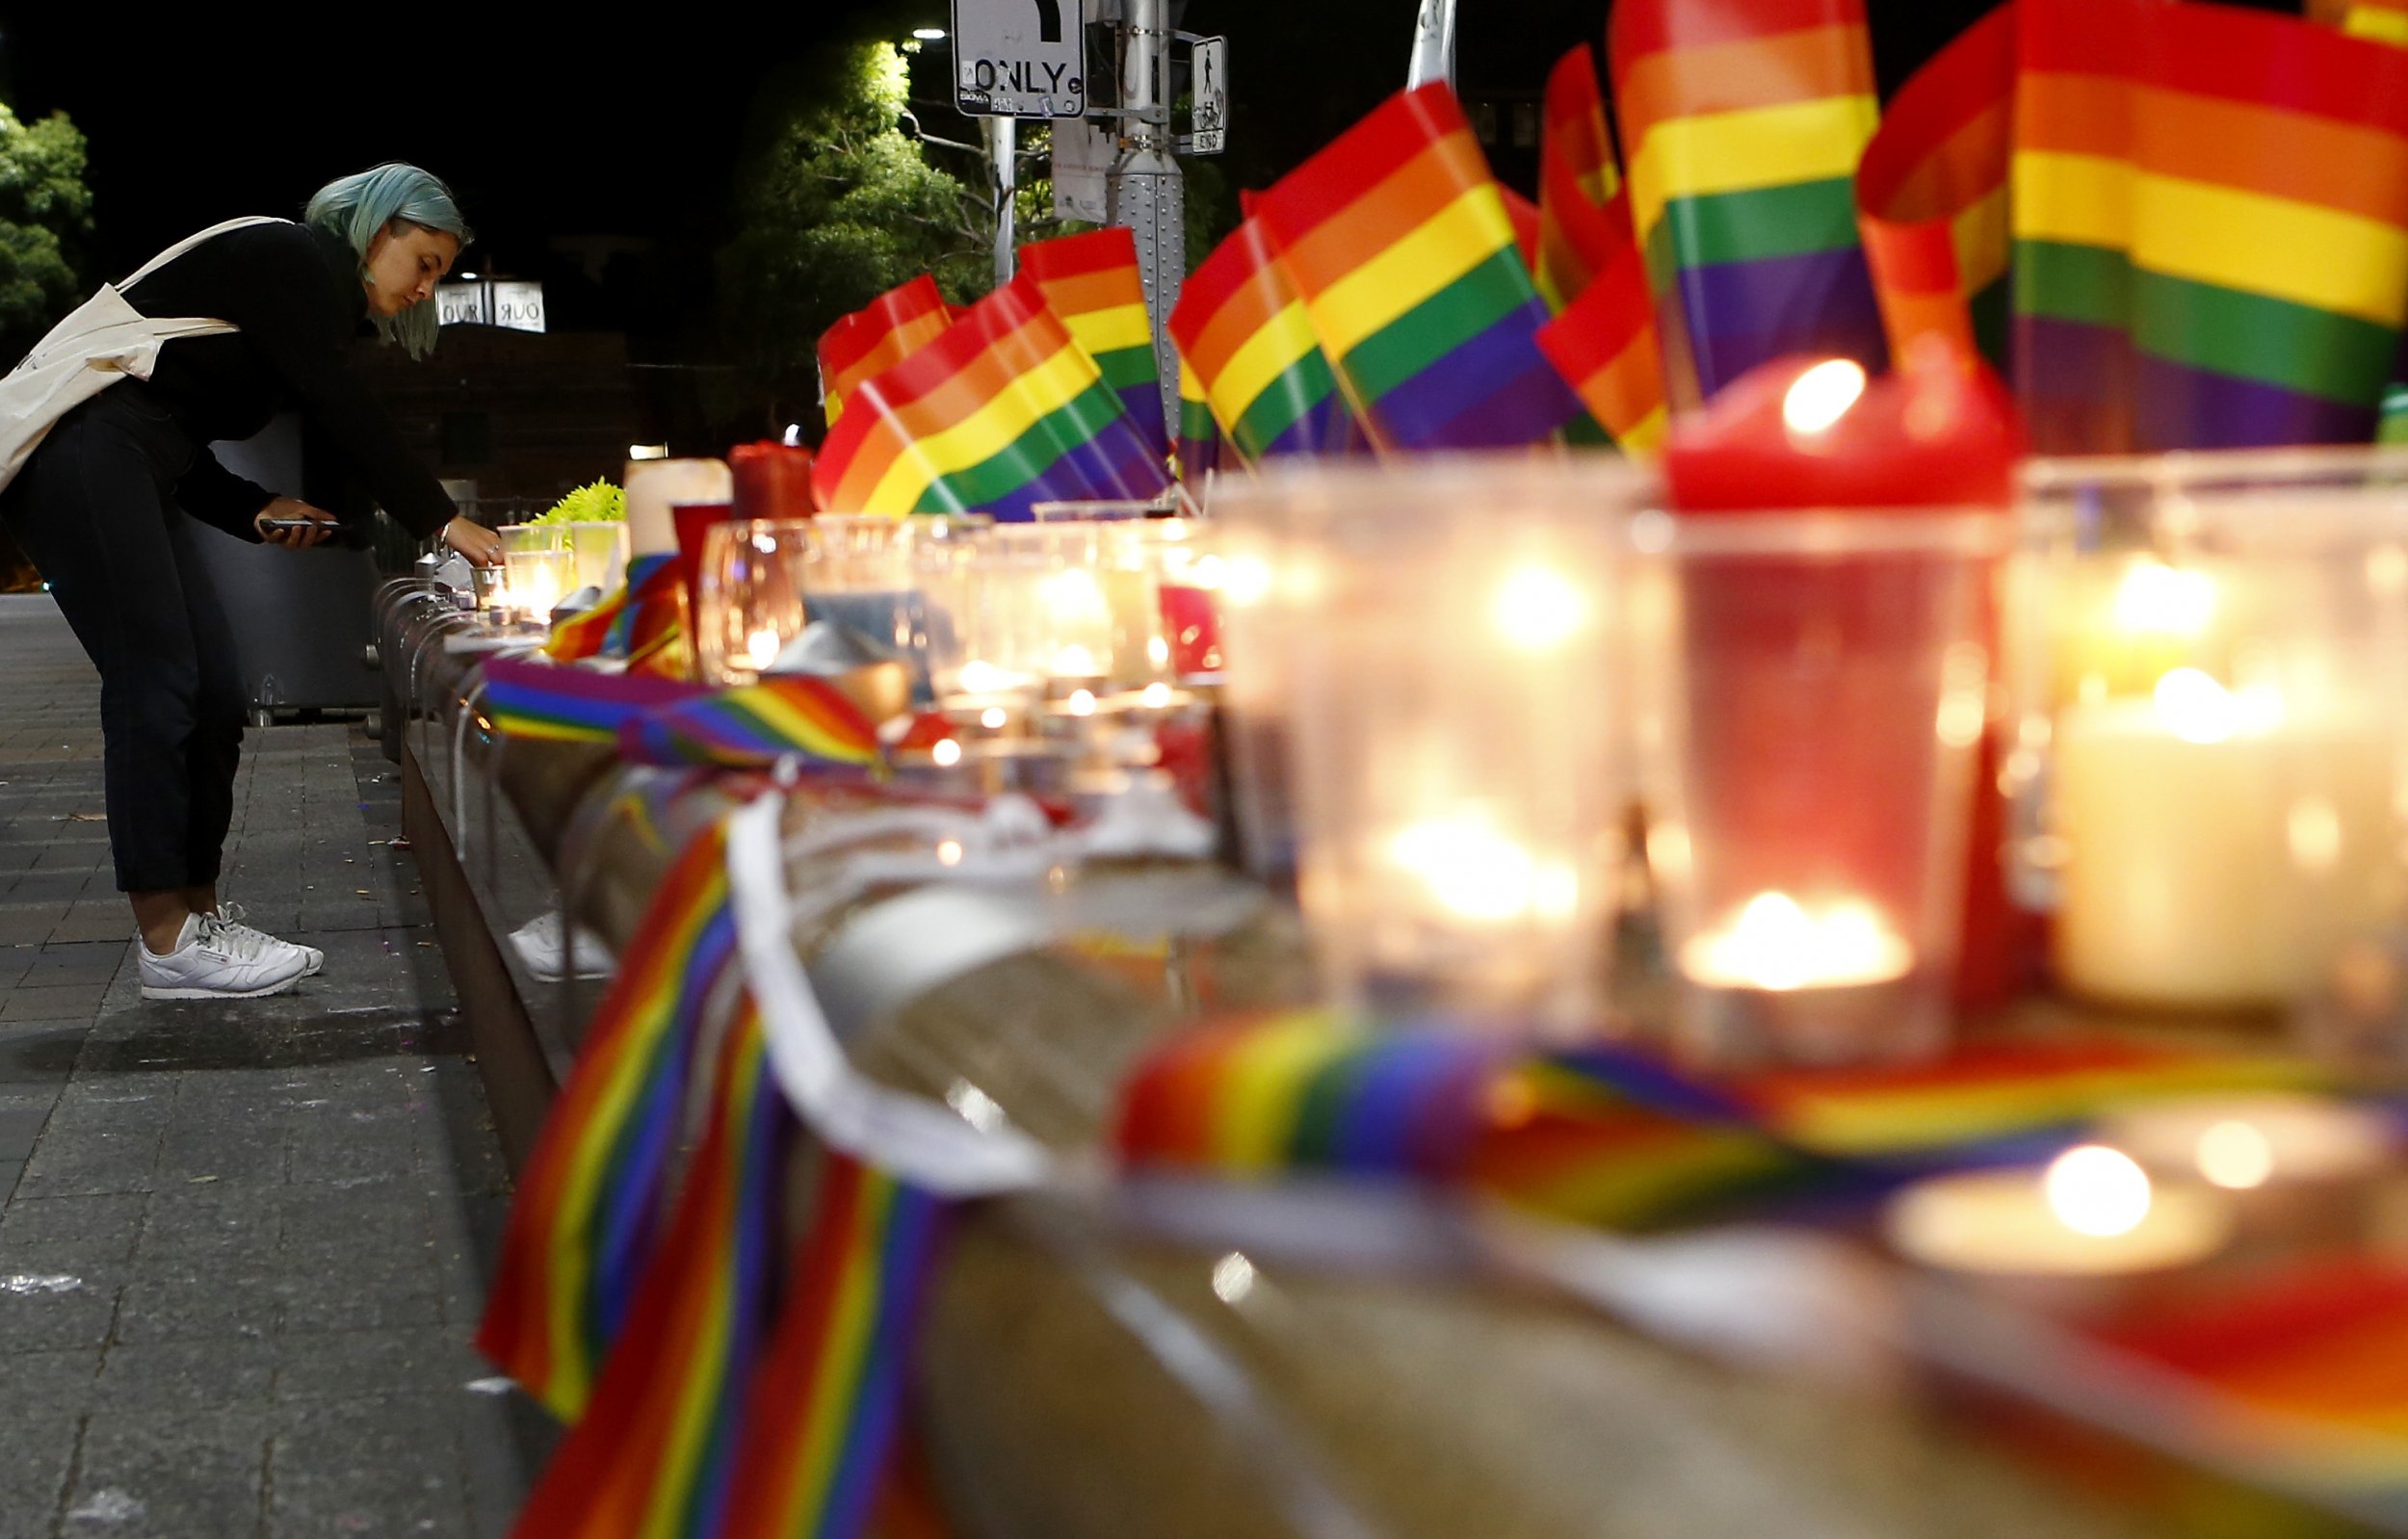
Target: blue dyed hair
{"points": [[358, 208]]}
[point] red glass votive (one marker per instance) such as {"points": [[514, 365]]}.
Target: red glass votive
{"points": [[773, 480], [694, 521], [1193, 627]]}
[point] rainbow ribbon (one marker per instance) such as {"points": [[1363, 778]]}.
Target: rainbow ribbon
{"points": [[755, 726], [1405, 255], [1003, 411], [1614, 1135], [557, 703], [584, 634], [653, 1456], [826, 1402], [875, 338], [582, 1229], [1093, 283], [1742, 123]]}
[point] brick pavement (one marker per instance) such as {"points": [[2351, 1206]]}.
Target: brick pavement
{"points": [[242, 1245]]}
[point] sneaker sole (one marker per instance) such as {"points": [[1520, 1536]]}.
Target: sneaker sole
{"points": [[154, 991]]}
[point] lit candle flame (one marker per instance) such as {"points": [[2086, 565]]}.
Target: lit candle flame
{"points": [[1477, 874], [2097, 1190], [2236, 1155], [2156, 598], [1538, 608], [947, 753], [763, 647], [1822, 396], [1776, 944]]}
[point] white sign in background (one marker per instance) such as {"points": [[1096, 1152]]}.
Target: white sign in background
{"points": [[1019, 58], [1208, 123]]}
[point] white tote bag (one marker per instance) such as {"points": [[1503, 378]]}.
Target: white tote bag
{"points": [[104, 339]]}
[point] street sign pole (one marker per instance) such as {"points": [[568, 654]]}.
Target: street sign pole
{"points": [[1143, 190], [1007, 146], [1433, 44]]}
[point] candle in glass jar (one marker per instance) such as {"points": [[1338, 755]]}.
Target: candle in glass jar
{"points": [[2217, 844], [1776, 942], [2244, 1142], [2093, 1212]]}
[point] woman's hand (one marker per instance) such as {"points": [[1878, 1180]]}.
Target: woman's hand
{"points": [[322, 524], [481, 545]]}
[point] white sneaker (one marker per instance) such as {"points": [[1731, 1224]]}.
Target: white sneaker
{"points": [[542, 943], [231, 915], [212, 961]]}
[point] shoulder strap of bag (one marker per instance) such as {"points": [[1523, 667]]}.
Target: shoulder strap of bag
{"points": [[190, 241]]}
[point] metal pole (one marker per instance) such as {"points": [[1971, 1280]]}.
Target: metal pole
{"points": [[1007, 151], [1144, 190], [1433, 45]]}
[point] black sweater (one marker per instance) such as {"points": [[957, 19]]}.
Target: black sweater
{"points": [[294, 294]]}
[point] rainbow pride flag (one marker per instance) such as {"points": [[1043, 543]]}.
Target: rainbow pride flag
{"points": [[655, 1453], [755, 726], [1243, 334], [2378, 20], [556, 703], [1199, 435], [1092, 282], [1577, 183], [1931, 196], [653, 611], [2269, 232], [1741, 124], [1398, 241], [878, 336], [582, 1228], [2071, 220], [1003, 411], [1606, 346], [826, 1402]]}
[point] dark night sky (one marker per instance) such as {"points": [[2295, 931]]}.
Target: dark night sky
{"points": [[563, 123]]}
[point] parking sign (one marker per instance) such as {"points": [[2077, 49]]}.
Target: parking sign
{"points": [[1019, 58]]}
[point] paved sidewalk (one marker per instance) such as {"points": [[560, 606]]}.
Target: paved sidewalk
{"points": [[242, 1245]]}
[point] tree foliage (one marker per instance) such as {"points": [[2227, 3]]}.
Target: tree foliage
{"points": [[836, 205], [45, 223]]}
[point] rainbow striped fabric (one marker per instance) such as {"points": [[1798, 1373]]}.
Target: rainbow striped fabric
{"points": [[1092, 282], [584, 634], [1399, 242], [2211, 219], [1606, 346], [2381, 20], [1243, 334], [582, 1228], [878, 336], [1612, 1136], [2269, 232], [826, 1402], [2069, 214], [2318, 1343], [755, 726], [655, 1453], [1003, 411], [557, 703], [654, 607], [1577, 183], [1741, 124], [1931, 196], [1199, 435]]}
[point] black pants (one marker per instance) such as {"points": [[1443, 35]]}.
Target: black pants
{"points": [[95, 510]]}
